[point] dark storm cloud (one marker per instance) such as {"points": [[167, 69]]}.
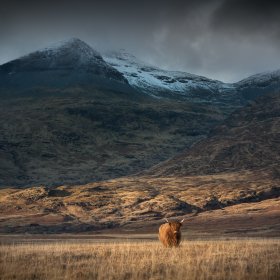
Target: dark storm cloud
{"points": [[223, 39], [248, 18]]}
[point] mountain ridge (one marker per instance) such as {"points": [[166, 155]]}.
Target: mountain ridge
{"points": [[246, 140], [171, 84], [74, 134], [183, 84], [68, 63], [74, 62]]}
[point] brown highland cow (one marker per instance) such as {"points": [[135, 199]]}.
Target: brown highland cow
{"points": [[170, 233]]}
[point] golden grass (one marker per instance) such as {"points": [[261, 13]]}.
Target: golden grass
{"points": [[85, 259]]}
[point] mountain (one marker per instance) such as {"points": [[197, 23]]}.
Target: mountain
{"points": [[65, 64], [152, 79], [78, 135], [163, 83], [67, 116], [74, 130], [256, 85], [173, 84], [249, 139]]}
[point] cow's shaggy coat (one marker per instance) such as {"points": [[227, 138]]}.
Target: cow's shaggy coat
{"points": [[170, 234]]}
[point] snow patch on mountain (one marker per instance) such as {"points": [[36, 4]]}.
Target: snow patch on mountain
{"points": [[149, 78], [260, 79]]}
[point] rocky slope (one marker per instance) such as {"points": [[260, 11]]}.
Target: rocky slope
{"points": [[248, 140], [245, 203], [81, 135]]}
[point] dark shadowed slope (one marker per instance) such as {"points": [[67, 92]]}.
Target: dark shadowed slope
{"points": [[249, 139], [81, 135]]}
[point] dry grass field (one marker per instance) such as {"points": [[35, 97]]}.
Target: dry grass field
{"points": [[101, 259]]}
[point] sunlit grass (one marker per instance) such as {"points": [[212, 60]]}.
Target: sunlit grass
{"points": [[231, 259]]}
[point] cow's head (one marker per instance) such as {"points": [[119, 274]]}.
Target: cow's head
{"points": [[175, 226]]}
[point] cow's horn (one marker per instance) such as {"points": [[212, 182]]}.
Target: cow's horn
{"points": [[166, 220], [182, 221]]}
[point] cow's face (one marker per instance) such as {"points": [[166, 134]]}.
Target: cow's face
{"points": [[175, 227]]}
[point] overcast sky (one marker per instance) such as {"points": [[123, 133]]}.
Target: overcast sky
{"points": [[222, 39]]}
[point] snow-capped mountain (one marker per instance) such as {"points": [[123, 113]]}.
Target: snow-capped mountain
{"points": [[255, 85], [158, 82], [75, 63], [77, 134], [71, 62], [154, 80], [261, 79]]}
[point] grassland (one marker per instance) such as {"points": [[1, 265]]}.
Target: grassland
{"points": [[93, 259]]}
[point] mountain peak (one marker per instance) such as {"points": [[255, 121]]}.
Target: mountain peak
{"points": [[68, 42], [70, 53], [64, 63], [73, 46], [74, 40]]}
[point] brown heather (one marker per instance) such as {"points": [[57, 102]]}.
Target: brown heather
{"points": [[219, 259], [244, 202]]}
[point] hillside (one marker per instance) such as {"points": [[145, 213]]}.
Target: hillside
{"points": [[216, 190], [70, 116], [248, 140], [237, 203], [79, 135]]}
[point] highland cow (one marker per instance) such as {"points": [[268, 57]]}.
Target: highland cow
{"points": [[170, 233]]}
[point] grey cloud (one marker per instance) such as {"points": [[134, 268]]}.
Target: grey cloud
{"points": [[222, 39], [248, 18]]}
